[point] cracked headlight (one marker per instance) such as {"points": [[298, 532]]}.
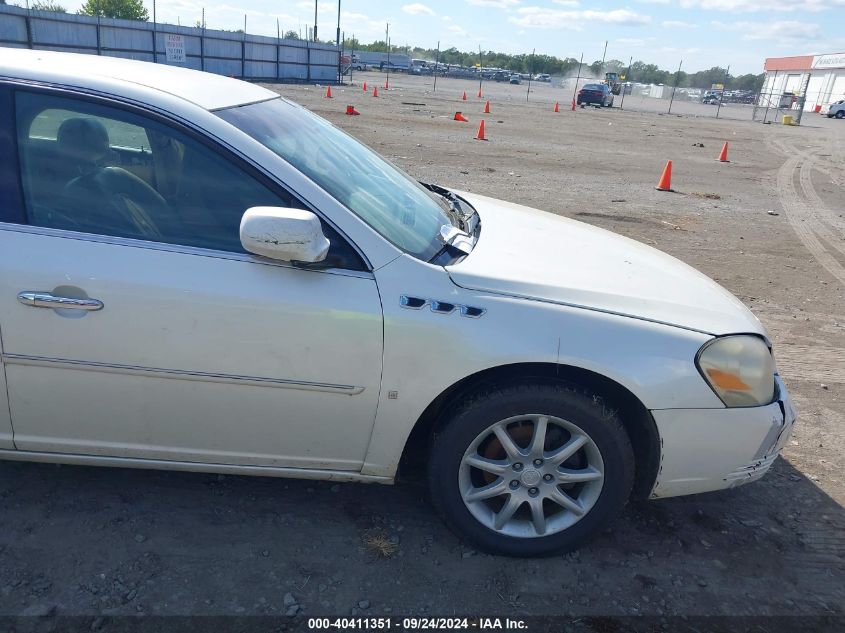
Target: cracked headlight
{"points": [[740, 369]]}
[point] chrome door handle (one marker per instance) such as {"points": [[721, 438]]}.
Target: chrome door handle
{"points": [[46, 300]]}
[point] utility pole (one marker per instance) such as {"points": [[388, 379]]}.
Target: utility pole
{"points": [[480, 67], [436, 65], [530, 73], [339, 45], [578, 78], [155, 29], [724, 85], [387, 41], [675, 87], [315, 20], [627, 79], [603, 55]]}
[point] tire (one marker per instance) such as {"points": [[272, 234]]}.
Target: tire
{"points": [[577, 422], [840, 114]]}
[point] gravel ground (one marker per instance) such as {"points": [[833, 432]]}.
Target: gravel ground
{"points": [[768, 226]]}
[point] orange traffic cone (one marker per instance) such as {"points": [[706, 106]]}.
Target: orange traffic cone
{"points": [[375, 91], [461, 117], [487, 107], [365, 86], [723, 155], [464, 98], [573, 105], [351, 111], [328, 92], [557, 107], [479, 93], [480, 135], [665, 183]]}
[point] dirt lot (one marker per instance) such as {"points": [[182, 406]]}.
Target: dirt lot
{"points": [[769, 226]]}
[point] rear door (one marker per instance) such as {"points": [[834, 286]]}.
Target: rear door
{"points": [[176, 344]]}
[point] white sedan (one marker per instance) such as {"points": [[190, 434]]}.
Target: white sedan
{"points": [[197, 274]]}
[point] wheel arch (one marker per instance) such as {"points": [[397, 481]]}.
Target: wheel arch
{"points": [[638, 422]]}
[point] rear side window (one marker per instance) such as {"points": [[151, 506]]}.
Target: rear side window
{"points": [[95, 169], [121, 135]]}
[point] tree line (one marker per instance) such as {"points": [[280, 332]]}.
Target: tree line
{"points": [[121, 9], [549, 64]]}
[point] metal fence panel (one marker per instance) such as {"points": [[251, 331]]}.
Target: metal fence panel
{"points": [[64, 34], [223, 52], [13, 29], [124, 40]]}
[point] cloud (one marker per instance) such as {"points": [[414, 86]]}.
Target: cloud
{"points": [[543, 18], [458, 30], [781, 30], [322, 7], [418, 9], [750, 6], [567, 3], [674, 50], [630, 41], [678, 24], [495, 4]]}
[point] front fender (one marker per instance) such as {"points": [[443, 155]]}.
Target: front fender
{"points": [[426, 352]]}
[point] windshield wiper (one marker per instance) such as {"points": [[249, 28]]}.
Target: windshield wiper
{"points": [[456, 211]]}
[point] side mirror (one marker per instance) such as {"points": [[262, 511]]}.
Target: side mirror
{"points": [[291, 235]]}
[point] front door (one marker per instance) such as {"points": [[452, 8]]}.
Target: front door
{"points": [[134, 325]]}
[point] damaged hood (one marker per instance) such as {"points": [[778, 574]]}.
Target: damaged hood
{"points": [[528, 253]]}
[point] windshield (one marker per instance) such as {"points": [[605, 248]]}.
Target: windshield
{"points": [[375, 190]]}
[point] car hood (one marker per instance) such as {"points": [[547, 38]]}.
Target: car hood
{"points": [[536, 255]]}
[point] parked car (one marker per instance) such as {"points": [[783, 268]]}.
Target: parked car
{"points": [[836, 110], [711, 98], [543, 77], [515, 79], [185, 283], [595, 94]]}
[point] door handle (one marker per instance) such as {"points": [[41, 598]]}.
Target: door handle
{"points": [[47, 300]]}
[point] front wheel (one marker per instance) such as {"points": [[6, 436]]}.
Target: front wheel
{"points": [[531, 469], [840, 114]]}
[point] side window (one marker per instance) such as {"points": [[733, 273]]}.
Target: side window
{"points": [[96, 169]]}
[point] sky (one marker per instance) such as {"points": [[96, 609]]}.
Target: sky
{"points": [[701, 33]]}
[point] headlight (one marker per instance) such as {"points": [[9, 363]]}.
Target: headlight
{"points": [[740, 369]]}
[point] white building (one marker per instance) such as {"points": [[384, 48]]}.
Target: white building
{"points": [[820, 78]]}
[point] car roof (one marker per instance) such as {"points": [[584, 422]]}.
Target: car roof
{"points": [[207, 90]]}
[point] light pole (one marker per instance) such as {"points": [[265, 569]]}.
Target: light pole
{"points": [[315, 20]]}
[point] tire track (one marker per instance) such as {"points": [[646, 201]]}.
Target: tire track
{"points": [[801, 216], [820, 213], [790, 150]]}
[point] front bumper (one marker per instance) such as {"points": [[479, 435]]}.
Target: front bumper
{"points": [[712, 449]]}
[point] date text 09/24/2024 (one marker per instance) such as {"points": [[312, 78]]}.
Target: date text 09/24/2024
{"points": [[409, 624]]}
